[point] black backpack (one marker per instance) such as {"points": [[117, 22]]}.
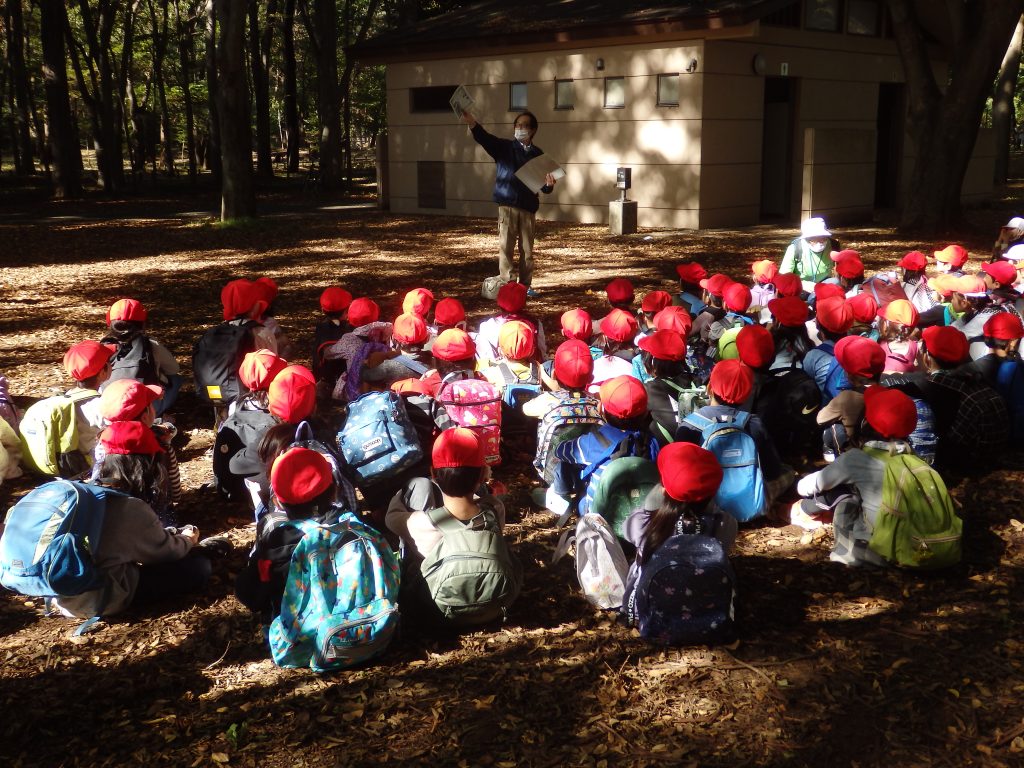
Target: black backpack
{"points": [[215, 360], [133, 360], [325, 335], [788, 404], [239, 431]]}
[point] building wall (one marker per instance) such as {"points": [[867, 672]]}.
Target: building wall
{"points": [[695, 165]]}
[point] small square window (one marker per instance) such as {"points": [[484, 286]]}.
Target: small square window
{"points": [[516, 97], [565, 94], [822, 15], [614, 92], [862, 17], [668, 90]]}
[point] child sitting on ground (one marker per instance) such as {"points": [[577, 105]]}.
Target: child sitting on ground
{"points": [[512, 303], [690, 291], [334, 303], [896, 322], [138, 356], [618, 330], [663, 356], [834, 317], [862, 360]]}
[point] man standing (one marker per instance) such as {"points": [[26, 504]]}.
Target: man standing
{"points": [[517, 205]]}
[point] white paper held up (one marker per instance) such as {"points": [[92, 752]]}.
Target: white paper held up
{"points": [[532, 173]]}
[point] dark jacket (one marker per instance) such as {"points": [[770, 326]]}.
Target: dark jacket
{"points": [[509, 156]]}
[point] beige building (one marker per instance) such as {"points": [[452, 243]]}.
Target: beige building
{"points": [[728, 113]]}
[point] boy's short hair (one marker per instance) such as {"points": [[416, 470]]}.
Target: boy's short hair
{"points": [[458, 481]]}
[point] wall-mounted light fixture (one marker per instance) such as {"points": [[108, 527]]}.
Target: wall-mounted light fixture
{"points": [[759, 64], [692, 66], [600, 65]]}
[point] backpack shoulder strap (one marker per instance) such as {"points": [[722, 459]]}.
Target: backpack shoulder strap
{"points": [[443, 521], [79, 395], [698, 421], [741, 419]]}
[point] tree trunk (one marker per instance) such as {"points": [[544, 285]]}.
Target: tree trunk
{"points": [[237, 196], [325, 14], [159, 51], [1003, 122], [291, 106], [259, 55], [19, 76], [346, 78], [943, 123], [213, 145], [185, 28], [65, 158]]}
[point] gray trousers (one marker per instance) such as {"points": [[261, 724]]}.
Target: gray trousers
{"points": [[515, 225]]}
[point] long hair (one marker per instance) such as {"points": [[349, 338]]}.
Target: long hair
{"points": [[663, 523], [141, 476]]}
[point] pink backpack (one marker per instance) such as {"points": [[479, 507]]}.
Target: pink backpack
{"points": [[475, 404]]}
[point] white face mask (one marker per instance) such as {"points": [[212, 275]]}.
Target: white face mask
{"points": [[817, 247], [522, 134]]}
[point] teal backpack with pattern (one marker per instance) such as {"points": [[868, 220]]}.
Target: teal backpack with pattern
{"points": [[340, 602]]}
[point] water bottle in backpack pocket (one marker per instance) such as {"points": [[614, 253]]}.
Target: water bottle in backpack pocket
{"points": [[339, 606], [741, 493]]}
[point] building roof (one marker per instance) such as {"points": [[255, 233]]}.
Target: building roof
{"points": [[504, 23]]}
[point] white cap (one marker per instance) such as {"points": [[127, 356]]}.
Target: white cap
{"points": [[1015, 223], [1015, 253], [814, 228]]}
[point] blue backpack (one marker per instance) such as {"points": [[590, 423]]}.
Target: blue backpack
{"points": [[1010, 384], [517, 389], [340, 602], [378, 440], [836, 379], [741, 493], [685, 592], [49, 538]]}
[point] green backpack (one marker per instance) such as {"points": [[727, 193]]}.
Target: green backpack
{"points": [[49, 435], [470, 574], [621, 489], [916, 525], [688, 400]]}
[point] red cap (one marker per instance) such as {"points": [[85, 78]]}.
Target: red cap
{"points": [[688, 472], [458, 447], [900, 311], [409, 329], [946, 343], [619, 291], [130, 437], [239, 298], [576, 324], [300, 475], [843, 255], [731, 381], [716, 284], [737, 297], [619, 325], [664, 345], [789, 310], [574, 365], [454, 345], [624, 397], [418, 302], [127, 309], [335, 299], [291, 396], [944, 285], [955, 255], [864, 306], [860, 356], [970, 285], [788, 284], [126, 399], [266, 289], [414, 386], [363, 311], [655, 301], [891, 413], [755, 346], [1003, 272], [512, 297], [915, 261], [259, 368], [1005, 326], [764, 270], [517, 340], [850, 268], [834, 314], [828, 291], [86, 358], [674, 319], [449, 312], [691, 272]]}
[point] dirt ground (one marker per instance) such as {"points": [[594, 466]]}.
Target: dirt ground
{"points": [[835, 667]]}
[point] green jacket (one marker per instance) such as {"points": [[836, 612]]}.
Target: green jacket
{"points": [[810, 266]]}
